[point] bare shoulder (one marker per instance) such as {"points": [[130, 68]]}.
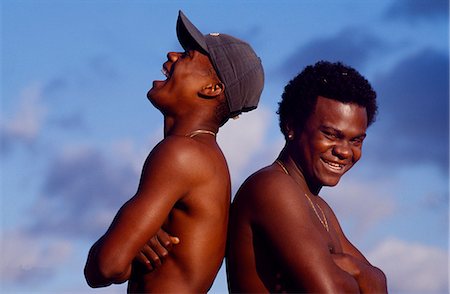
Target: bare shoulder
{"points": [[185, 156], [270, 191], [266, 182]]}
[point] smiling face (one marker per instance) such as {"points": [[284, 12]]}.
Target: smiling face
{"points": [[186, 74], [330, 143]]}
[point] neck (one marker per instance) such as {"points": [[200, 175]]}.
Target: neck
{"points": [[293, 165], [187, 126]]}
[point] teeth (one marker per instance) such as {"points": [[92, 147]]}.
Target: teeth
{"points": [[334, 165], [165, 72]]}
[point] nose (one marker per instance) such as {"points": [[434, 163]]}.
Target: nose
{"points": [[172, 56], [342, 150]]}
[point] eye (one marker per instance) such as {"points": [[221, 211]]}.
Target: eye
{"points": [[186, 54], [183, 55], [329, 135], [357, 142]]}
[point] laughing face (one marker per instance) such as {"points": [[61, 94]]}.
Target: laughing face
{"points": [[186, 74], [331, 142]]}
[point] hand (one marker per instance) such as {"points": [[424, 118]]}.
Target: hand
{"points": [[156, 250], [347, 263], [370, 279]]}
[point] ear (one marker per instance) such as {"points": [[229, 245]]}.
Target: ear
{"points": [[212, 90], [289, 130]]}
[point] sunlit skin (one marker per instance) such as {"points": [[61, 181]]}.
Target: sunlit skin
{"points": [[184, 82], [184, 189], [330, 143], [277, 242]]}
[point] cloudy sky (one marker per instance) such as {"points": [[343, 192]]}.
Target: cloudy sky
{"points": [[75, 124]]}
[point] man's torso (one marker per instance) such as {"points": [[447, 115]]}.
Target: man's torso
{"points": [[199, 219], [252, 263]]}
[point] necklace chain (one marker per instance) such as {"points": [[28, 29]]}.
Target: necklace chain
{"points": [[197, 132], [323, 221]]}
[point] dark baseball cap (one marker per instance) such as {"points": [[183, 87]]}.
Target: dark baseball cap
{"points": [[235, 62]]}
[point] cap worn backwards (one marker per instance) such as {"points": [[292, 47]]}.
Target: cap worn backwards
{"points": [[236, 64]]}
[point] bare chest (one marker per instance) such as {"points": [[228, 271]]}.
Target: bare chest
{"points": [[333, 242]]}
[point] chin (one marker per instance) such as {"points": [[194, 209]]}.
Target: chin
{"points": [[152, 96], [330, 181]]}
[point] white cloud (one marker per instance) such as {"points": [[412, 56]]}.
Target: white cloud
{"points": [[26, 122], [25, 258], [412, 267], [81, 174], [241, 139], [132, 153], [363, 202]]}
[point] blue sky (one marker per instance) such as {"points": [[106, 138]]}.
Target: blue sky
{"points": [[76, 126]]}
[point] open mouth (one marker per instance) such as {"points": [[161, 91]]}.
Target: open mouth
{"points": [[333, 165], [165, 72]]}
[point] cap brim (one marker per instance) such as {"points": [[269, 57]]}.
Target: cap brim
{"points": [[188, 35]]}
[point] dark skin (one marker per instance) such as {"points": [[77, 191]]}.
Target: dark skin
{"points": [[156, 250], [184, 190], [279, 241]]}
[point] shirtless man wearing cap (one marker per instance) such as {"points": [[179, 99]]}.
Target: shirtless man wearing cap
{"points": [[185, 183]]}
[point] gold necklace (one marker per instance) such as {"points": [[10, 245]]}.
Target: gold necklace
{"points": [[197, 132], [323, 221]]}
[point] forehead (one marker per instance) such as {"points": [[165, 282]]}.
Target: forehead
{"points": [[339, 115], [202, 61], [199, 56]]}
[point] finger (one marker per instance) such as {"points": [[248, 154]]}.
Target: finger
{"points": [[175, 240], [152, 256], [143, 260], [158, 248], [164, 239]]}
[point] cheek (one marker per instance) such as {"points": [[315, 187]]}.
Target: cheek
{"points": [[356, 154], [321, 145]]}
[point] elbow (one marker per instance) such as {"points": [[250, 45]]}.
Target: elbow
{"points": [[101, 272], [113, 272], [102, 276], [116, 274], [93, 279], [93, 276]]}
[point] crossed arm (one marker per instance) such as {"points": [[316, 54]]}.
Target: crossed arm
{"points": [[139, 220], [303, 248], [156, 250], [370, 279]]}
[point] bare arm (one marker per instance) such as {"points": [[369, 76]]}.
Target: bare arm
{"points": [[370, 278], [283, 214], [155, 251], [139, 219]]}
